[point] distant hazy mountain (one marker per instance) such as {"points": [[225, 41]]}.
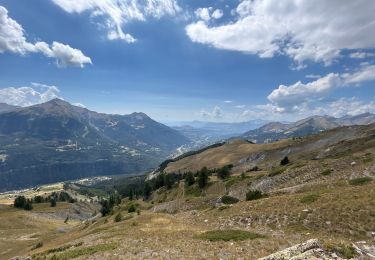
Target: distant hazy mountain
{"points": [[58, 141], [223, 129], [6, 108], [312, 125]]}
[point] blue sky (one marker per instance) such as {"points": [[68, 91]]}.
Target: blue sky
{"points": [[178, 61]]}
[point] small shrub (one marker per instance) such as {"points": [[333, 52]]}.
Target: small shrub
{"points": [[138, 212], [309, 198], [193, 191], [276, 171], [223, 207], [284, 161], [226, 199], [360, 181], [132, 208], [224, 172], [118, 217], [326, 172], [345, 251], [53, 203], [228, 235], [38, 245], [253, 169], [254, 195]]}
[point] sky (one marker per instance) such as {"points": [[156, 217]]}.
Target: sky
{"points": [[180, 60]]}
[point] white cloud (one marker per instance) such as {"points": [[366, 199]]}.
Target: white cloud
{"points": [[228, 101], [118, 13], [216, 113], [304, 30], [12, 39], [217, 14], [30, 95], [361, 55], [312, 76], [203, 14], [296, 96], [240, 106], [68, 56], [207, 14], [346, 106]]}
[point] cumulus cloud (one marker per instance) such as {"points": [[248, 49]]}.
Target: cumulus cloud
{"points": [[118, 13], [29, 95], [216, 113], [303, 30], [346, 106], [12, 39], [296, 96], [206, 14]]}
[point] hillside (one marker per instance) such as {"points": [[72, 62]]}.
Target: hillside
{"points": [[320, 198], [312, 125], [57, 141]]}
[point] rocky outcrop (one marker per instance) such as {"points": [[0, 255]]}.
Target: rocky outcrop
{"points": [[311, 249]]}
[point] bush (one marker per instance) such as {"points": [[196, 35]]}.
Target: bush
{"points": [[309, 198], [253, 169], [345, 251], [118, 217], [276, 171], [284, 161], [224, 172], [226, 199], [38, 199], [326, 172], [228, 235], [20, 202], [254, 195], [53, 202], [132, 208], [360, 181], [106, 207], [28, 205], [37, 245]]}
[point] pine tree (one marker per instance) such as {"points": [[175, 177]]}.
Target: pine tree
{"points": [[28, 205], [189, 179], [203, 177], [20, 202]]}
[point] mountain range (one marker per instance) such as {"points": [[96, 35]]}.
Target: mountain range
{"points": [[312, 125], [57, 141]]}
